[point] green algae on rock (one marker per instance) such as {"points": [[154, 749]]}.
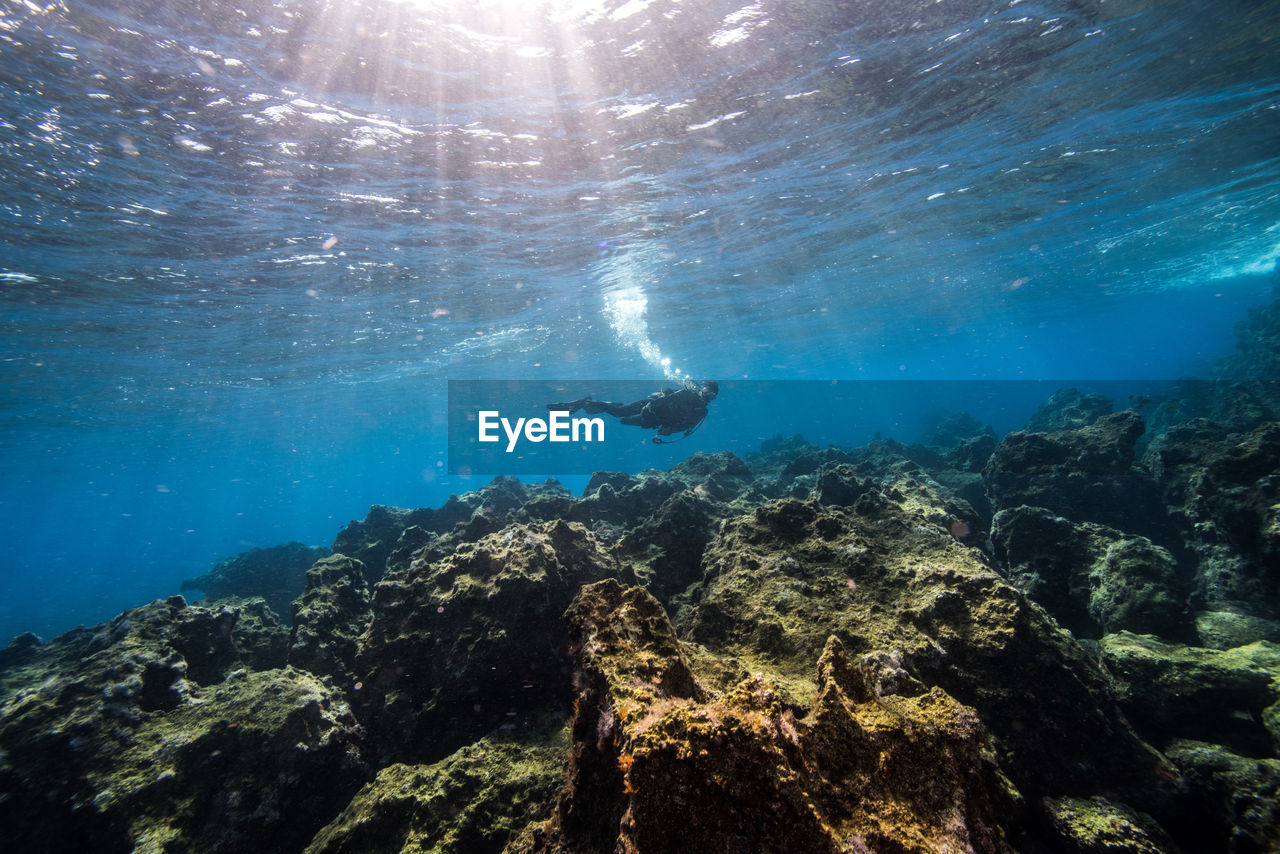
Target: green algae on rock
{"points": [[662, 764], [1098, 826], [388, 537], [156, 732], [458, 646], [1174, 691], [1232, 801], [886, 575], [1230, 627], [1087, 474], [473, 801], [277, 574], [1093, 579], [1223, 489], [329, 618]]}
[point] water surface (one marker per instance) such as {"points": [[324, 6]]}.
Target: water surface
{"points": [[246, 244]]}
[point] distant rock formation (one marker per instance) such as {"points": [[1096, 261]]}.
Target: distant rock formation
{"points": [[277, 574]]}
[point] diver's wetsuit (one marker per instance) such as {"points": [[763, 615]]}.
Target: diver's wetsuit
{"points": [[671, 410]]}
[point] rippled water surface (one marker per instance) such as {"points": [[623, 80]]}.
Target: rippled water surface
{"points": [[245, 244]]}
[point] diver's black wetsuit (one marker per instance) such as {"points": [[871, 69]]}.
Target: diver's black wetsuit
{"points": [[671, 410]]}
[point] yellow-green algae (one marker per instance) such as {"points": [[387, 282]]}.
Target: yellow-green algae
{"points": [[473, 801], [455, 644], [669, 765], [1098, 826], [885, 575], [145, 739]]}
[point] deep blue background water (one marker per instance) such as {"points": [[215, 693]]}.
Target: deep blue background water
{"points": [[244, 245]]}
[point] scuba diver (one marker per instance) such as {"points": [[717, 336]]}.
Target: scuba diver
{"points": [[670, 410]]}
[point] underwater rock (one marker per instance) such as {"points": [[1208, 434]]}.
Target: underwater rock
{"points": [[663, 549], [1135, 586], [277, 574], [611, 501], [972, 454], [1229, 628], [778, 453], [329, 618], [1093, 579], [1223, 489], [473, 801], [371, 541], [888, 575], [662, 764], [798, 476], [720, 476], [388, 537], [850, 671], [841, 486], [955, 453], [1068, 409], [1246, 393], [1087, 475], [137, 735], [21, 650], [202, 642], [259, 641], [950, 431], [1100, 826], [886, 460], [664, 552], [1232, 802], [1239, 406], [1171, 691], [410, 541], [461, 644]]}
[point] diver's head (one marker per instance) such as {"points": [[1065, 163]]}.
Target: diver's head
{"points": [[710, 389]]}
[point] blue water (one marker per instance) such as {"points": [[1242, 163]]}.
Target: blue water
{"points": [[245, 245]]}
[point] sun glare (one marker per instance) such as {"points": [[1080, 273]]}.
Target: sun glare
{"points": [[564, 10]]}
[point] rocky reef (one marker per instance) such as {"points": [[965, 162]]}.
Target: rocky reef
{"points": [[277, 574], [1065, 639], [174, 727]]}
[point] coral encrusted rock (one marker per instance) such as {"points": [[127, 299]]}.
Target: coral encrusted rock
{"points": [[277, 574], [464, 643], [661, 763], [887, 576], [329, 618], [1093, 579], [1224, 696], [1223, 489], [475, 801], [154, 733], [1089, 474]]}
